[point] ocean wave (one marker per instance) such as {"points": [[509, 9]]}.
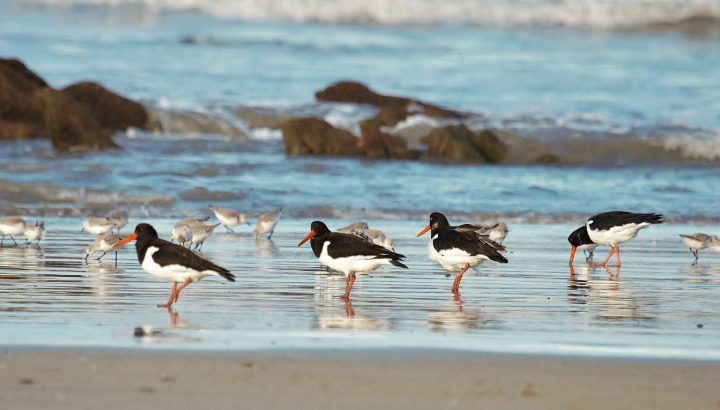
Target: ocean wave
{"points": [[566, 13]]}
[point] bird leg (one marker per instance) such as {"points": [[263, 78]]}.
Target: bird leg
{"points": [[349, 282], [617, 250], [184, 285], [173, 296], [458, 278], [612, 250]]}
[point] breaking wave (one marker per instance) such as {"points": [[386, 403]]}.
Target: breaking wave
{"points": [[607, 14]]}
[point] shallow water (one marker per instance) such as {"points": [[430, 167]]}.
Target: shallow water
{"points": [[656, 306]]}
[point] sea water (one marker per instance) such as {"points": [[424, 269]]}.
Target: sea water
{"points": [[550, 70]]}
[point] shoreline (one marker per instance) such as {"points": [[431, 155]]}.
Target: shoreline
{"points": [[394, 378]]}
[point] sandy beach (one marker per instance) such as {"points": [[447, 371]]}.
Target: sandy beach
{"points": [[67, 378]]}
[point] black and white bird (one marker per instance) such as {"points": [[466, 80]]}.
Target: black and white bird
{"points": [[171, 262], [348, 253], [696, 242], [615, 227], [579, 238], [459, 247]]}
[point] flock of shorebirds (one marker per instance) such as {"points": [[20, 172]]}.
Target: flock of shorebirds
{"points": [[353, 249]]}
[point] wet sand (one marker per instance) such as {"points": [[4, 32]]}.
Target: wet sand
{"points": [[347, 379]]}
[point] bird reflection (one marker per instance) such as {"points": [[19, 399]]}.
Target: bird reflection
{"points": [[603, 297], [25, 258], [157, 334], [456, 317], [348, 320], [264, 247]]}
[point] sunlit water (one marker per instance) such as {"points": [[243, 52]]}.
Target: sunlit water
{"points": [[656, 306], [622, 95]]}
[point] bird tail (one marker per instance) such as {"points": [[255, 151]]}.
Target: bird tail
{"points": [[654, 218], [226, 274], [398, 263]]}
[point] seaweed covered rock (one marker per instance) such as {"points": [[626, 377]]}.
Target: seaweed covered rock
{"points": [[393, 109], [111, 110], [313, 136], [453, 142], [69, 124], [378, 144], [82, 116]]}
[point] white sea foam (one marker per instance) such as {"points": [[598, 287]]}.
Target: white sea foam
{"points": [[590, 13], [694, 146]]}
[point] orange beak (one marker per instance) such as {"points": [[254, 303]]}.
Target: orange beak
{"points": [[572, 254], [427, 228], [125, 240], [307, 238]]}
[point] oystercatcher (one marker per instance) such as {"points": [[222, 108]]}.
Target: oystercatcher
{"points": [[615, 227], [580, 239], [266, 223], [229, 218], [171, 262], [348, 253], [459, 247], [696, 242]]}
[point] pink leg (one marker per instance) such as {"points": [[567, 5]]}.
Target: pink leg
{"points": [[617, 249], [612, 250], [349, 282], [458, 278], [187, 282], [173, 296]]}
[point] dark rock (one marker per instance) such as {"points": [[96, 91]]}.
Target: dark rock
{"points": [[354, 92], [313, 136], [83, 116], [111, 110], [489, 144], [453, 142], [378, 144], [21, 116], [390, 115], [69, 125]]}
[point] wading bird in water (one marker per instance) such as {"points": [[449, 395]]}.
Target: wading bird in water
{"points": [[459, 247], [348, 253], [171, 262]]}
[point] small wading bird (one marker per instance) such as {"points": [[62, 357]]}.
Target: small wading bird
{"points": [[103, 243], [348, 253], [459, 247], [696, 242], [35, 232], [229, 218], [171, 262], [266, 223], [12, 226], [615, 227]]}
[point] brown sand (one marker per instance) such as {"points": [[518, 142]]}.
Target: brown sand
{"points": [[42, 379]]}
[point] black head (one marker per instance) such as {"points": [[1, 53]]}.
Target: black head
{"points": [[580, 237], [144, 230]]}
